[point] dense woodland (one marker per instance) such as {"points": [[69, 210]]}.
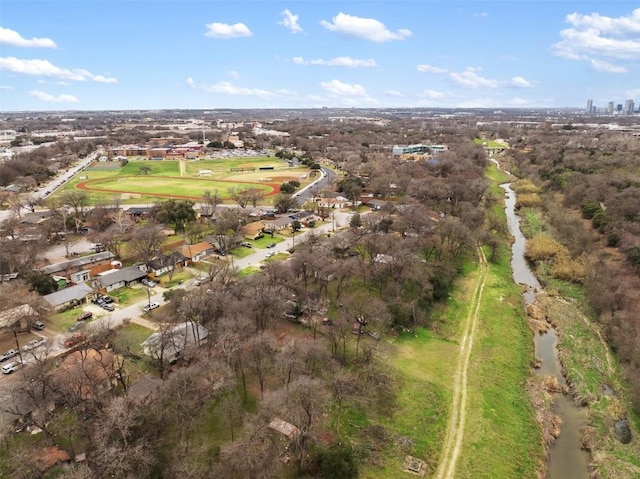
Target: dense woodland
{"points": [[595, 178], [209, 416]]}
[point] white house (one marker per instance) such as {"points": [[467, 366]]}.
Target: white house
{"points": [[112, 280], [168, 345]]}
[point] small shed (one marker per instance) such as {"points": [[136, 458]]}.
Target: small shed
{"points": [[283, 427]]}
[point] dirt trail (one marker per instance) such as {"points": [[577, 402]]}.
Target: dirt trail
{"points": [[455, 430]]}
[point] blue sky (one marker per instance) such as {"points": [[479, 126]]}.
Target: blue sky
{"points": [[151, 54]]}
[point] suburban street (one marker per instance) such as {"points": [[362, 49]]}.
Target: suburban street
{"points": [[134, 312]]}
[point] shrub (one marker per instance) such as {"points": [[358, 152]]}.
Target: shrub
{"points": [[566, 268], [590, 208], [528, 200], [525, 186], [633, 255], [613, 239], [600, 220], [338, 461], [542, 247]]}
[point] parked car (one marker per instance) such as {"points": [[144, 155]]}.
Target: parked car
{"points": [[84, 316], [106, 299], [75, 339], [201, 280], [271, 245], [246, 245], [34, 343], [39, 325], [150, 306], [107, 306], [147, 282], [270, 254], [11, 367], [76, 326], [9, 354]]}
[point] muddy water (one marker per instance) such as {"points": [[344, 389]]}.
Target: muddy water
{"points": [[566, 460]]}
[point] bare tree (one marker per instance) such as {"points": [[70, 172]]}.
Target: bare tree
{"points": [[146, 241]]}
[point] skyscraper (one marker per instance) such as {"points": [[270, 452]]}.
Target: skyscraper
{"points": [[628, 107], [589, 106], [610, 107]]}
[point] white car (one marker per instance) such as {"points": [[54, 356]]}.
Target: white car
{"points": [[150, 306], [34, 343], [11, 367], [270, 254], [8, 355]]}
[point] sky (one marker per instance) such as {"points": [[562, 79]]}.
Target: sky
{"points": [[209, 54]]}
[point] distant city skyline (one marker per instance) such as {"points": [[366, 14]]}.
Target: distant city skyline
{"points": [[123, 55], [628, 107]]}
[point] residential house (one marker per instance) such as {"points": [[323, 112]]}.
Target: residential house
{"points": [[119, 278], [85, 375], [335, 202], [196, 252], [166, 263], [71, 296], [253, 230], [306, 217], [277, 224], [145, 389], [17, 317], [138, 213], [375, 205], [79, 270], [170, 344]]}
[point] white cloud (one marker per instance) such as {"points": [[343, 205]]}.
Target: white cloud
{"points": [[228, 88], [47, 69], [365, 28], [233, 74], [336, 62], [635, 93], [13, 38], [290, 21], [395, 93], [600, 40], [190, 82], [336, 87], [40, 95], [469, 78], [6, 87], [621, 26], [481, 15], [520, 82], [223, 30], [431, 69], [604, 66], [432, 95]]}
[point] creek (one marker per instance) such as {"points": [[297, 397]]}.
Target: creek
{"points": [[566, 458]]}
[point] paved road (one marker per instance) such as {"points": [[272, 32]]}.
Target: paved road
{"points": [[328, 175], [54, 183]]}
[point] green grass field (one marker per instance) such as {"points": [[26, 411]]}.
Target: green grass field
{"points": [[501, 439], [142, 181], [490, 143]]}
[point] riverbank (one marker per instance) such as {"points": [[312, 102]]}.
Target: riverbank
{"points": [[593, 379]]}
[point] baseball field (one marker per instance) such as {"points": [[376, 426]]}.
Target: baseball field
{"points": [[142, 181]]}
